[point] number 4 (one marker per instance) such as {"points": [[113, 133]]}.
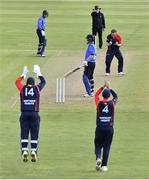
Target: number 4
{"points": [[106, 110]]}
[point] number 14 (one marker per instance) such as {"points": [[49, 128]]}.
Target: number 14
{"points": [[29, 92]]}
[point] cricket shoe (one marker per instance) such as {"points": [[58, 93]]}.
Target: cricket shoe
{"points": [[33, 156], [25, 156], [87, 95], [121, 73], [104, 168], [98, 164], [40, 55], [92, 95], [107, 74]]}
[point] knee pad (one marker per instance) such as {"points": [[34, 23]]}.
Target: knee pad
{"points": [[87, 84], [45, 42]]}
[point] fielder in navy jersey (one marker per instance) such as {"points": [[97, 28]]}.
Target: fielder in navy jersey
{"points": [[41, 33], [114, 42], [89, 66], [104, 125], [30, 119]]}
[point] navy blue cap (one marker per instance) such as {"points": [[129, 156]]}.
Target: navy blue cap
{"points": [[106, 93], [30, 81]]}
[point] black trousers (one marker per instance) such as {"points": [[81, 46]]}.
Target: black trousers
{"points": [[96, 30], [42, 42], [109, 57], [102, 141], [29, 124], [89, 72], [41, 38]]}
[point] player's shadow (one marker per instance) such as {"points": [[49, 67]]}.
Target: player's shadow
{"points": [[111, 76]]}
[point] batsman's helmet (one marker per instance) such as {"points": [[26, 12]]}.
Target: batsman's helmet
{"points": [[106, 93], [30, 81], [45, 13], [90, 37]]}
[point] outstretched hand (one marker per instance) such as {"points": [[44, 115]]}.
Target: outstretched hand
{"points": [[37, 70], [25, 71]]}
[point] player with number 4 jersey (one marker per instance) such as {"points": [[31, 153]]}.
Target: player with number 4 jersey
{"points": [[104, 125], [30, 119]]}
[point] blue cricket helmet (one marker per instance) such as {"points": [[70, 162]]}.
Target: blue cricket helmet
{"points": [[45, 13], [90, 37], [106, 93]]}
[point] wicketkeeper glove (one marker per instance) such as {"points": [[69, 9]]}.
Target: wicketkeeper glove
{"points": [[37, 70], [85, 63], [25, 71]]}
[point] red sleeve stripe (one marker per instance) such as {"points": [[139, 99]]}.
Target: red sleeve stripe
{"points": [[97, 98], [18, 83]]}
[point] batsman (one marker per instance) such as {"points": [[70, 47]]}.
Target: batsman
{"points": [[89, 66], [41, 33], [30, 119]]}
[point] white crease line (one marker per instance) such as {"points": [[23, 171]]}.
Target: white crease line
{"points": [[126, 55], [15, 102]]}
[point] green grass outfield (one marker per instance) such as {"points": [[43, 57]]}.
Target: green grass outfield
{"points": [[67, 131]]}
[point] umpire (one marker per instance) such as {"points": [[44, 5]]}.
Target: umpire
{"points": [[30, 119], [41, 33], [104, 125], [98, 24]]}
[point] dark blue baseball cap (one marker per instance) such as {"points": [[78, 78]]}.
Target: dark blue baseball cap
{"points": [[106, 93], [30, 80]]}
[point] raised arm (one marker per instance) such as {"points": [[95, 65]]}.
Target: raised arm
{"points": [[18, 83], [97, 94], [42, 83], [115, 97], [40, 76]]}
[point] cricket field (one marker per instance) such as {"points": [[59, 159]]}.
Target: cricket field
{"points": [[66, 148]]}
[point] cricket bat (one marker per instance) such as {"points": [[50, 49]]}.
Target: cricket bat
{"points": [[73, 70]]}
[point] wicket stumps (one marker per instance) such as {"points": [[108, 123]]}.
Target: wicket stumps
{"points": [[60, 90]]}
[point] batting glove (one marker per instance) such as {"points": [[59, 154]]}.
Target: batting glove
{"points": [[85, 63], [43, 33], [37, 70], [25, 71]]}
